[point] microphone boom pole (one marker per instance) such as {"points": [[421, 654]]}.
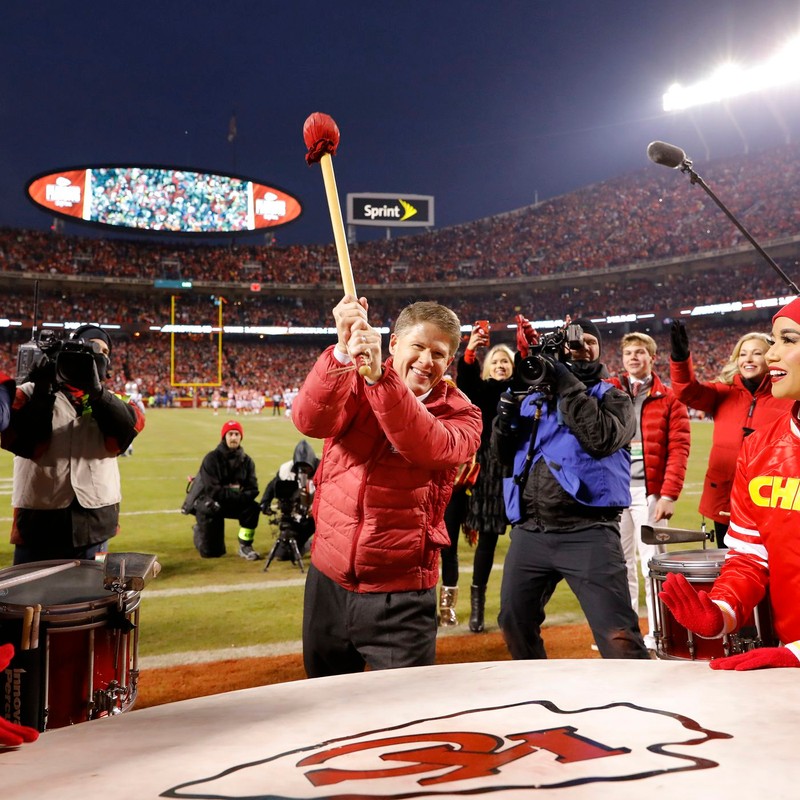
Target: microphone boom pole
{"points": [[669, 155]]}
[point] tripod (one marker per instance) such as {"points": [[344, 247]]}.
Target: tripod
{"points": [[287, 538]]}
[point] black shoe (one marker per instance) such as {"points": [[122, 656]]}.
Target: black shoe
{"points": [[477, 603], [246, 551]]}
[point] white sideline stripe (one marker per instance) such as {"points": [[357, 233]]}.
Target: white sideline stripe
{"points": [[143, 513], [222, 588], [228, 654], [148, 593], [290, 648]]}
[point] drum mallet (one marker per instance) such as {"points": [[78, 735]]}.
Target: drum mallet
{"points": [[321, 135], [36, 575]]}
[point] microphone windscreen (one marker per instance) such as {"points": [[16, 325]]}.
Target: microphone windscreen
{"points": [[667, 154]]}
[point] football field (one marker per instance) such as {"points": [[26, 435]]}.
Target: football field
{"points": [[209, 609]]}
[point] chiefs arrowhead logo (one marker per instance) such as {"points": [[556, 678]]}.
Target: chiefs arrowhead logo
{"points": [[530, 745]]}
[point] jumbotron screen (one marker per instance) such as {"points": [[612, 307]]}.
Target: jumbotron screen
{"points": [[162, 199]]}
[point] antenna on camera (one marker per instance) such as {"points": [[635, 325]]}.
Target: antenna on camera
{"points": [[30, 354], [35, 326]]}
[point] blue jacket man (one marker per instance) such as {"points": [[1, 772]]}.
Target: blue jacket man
{"points": [[565, 445]]}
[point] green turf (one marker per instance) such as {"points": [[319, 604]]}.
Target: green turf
{"points": [[154, 481]]}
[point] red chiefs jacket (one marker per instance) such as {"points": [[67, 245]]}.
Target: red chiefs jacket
{"points": [[763, 534], [385, 476], [734, 409], [666, 438]]}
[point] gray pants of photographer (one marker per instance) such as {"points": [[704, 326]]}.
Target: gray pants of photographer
{"points": [[344, 631], [592, 564]]}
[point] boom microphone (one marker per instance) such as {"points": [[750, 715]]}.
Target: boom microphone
{"points": [[668, 155], [665, 154]]}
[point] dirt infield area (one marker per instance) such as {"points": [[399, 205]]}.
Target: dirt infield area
{"points": [[157, 686]]}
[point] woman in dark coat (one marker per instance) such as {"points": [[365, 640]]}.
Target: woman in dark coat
{"points": [[485, 508]]}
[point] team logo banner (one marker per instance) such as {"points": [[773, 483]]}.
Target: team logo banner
{"points": [[523, 746]]}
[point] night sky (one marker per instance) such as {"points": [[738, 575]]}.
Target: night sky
{"points": [[486, 106]]}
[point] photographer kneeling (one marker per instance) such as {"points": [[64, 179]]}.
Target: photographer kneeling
{"points": [[66, 431], [226, 487], [565, 441], [290, 494]]}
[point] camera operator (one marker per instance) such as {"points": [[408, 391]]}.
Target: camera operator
{"points": [[292, 490], [566, 443], [66, 431], [226, 487]]}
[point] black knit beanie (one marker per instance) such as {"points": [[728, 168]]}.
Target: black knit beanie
{"points": [[589, 327]]}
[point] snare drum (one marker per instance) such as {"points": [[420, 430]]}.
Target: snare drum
{"points": [[85, 665], [701, 568]]}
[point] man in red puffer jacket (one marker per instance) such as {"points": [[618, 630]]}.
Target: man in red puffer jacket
{"points": [[394, 433], [659, 455]]}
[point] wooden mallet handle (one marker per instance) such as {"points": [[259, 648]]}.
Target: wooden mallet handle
{"points": [[321, 135]]}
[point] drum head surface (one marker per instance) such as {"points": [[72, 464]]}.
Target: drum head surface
{"points": [[689, 562], [75, 585]]}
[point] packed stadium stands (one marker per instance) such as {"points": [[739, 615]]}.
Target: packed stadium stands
{"points": [[640, 249]]}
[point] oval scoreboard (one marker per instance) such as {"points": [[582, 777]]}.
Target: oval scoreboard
{"points": [[162, 199]]}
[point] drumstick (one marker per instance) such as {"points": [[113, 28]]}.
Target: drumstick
{"points": [[27, 621], [37, 616], [36, 574], [321, 135]]}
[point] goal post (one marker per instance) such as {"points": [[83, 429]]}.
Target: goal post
{"points": [[173, 356]]}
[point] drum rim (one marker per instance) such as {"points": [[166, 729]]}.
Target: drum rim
{"points": [[54, 611], [688, 561]]}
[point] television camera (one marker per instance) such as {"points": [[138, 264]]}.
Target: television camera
{"points": [[71, 361], [537, 370], [290, 511]]}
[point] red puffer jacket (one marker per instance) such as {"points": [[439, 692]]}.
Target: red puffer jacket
{"points": [[666, 438], [386, 474], [733, 409]]}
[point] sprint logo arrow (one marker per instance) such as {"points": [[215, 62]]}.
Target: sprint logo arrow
{"points": [[408, 209]]}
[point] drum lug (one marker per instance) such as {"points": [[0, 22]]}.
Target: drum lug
{"points": [[114, 698]]}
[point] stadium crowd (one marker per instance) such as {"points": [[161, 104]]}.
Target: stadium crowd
{"points": [[628, 221], [645, 216]]}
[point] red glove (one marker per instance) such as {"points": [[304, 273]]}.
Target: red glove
{"points": [[690, 608], [11, 734], [757, 659], [526, 335]]}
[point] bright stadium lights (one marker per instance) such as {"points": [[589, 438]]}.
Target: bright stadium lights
{"points": [[732, 80]]}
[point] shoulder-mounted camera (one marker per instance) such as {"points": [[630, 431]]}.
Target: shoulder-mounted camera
{"points": [[72, 360], [538, 369]]}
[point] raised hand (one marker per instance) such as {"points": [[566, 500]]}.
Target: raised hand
{"points": [[526, 335], [679, 341]]}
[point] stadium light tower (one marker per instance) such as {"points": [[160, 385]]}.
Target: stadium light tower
{"points": [[731, 80]]}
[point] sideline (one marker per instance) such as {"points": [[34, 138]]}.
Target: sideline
{"points": [[168, 660], [221, 588], [213, 656]]}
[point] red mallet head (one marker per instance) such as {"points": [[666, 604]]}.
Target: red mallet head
{"points": [[321, 135]]}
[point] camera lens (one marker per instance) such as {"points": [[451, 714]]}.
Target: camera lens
{"points": [[534, 370]]}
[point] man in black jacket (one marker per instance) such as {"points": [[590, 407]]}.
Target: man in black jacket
{"points": [[227, 489]]}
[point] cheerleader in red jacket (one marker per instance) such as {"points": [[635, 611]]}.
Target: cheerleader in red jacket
{"points": [[765, 513]]}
